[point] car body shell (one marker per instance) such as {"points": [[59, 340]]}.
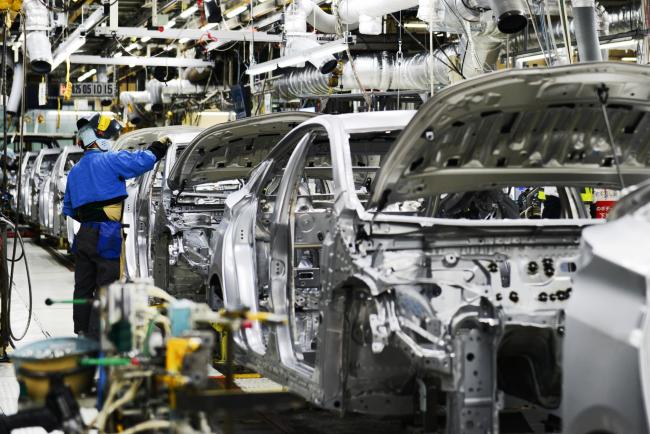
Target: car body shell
{"points": [[470, 316], [144, 194]]}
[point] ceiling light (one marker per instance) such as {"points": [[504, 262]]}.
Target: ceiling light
{"points": [[145, 39], [87, 75], [189, 12], [169, 48], [238, 10], [170, 24], [629, 59], [630, 43], [415, 25], [184, 40], [118, 54], [531, 58], [76, 40], [209, 26], [133, 46]]}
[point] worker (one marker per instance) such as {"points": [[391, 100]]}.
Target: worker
{"points": [[94, 195]]}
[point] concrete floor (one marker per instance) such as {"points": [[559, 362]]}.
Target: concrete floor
{"points": [[49, 279]]}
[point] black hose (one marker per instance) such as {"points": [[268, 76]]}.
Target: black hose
{"points": [[17, 235], [36, 417]]}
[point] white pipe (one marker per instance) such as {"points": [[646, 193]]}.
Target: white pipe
{"points": [[37, 23], [295, 44], [351, 12], [13, 104]]}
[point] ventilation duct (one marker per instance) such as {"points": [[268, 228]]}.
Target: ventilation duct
{"points": [[130, 100], [17, 85], [416, 72], [379, 72], [154, 88], [39, 49], [510, 15], [586, 30], [155, 94]]}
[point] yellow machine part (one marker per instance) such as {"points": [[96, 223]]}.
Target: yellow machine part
{"points": [[177, 349], [222, 331]]}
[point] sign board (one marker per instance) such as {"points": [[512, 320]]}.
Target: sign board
{"points": [[91, 90]]}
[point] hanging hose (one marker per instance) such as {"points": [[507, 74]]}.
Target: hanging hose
{"points": [[17, 235]]}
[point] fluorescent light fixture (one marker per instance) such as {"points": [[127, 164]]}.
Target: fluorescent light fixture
{"points": [[145, 39], [189, 12], [133, 46], [209, 26], [183, 40], [630, 43], [76, 40], [140, 61], [118, 54], [531, 58], [86, 75], [416, 25], [169, 48], [236, 11], [324, 50], [170, 24], [629, 59]]}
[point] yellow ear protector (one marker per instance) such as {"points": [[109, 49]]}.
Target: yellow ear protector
{"points": [[104, 123]]}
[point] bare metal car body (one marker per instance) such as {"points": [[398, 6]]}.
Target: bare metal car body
{"points": [[212, 167], [25, 188], [52, 221], [390, 306], [144, 194], [39, 181]]}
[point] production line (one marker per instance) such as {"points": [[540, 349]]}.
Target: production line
{"points": [[395, 216]]}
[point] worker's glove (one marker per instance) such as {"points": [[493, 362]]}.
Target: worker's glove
{"points": [[159, 147]]}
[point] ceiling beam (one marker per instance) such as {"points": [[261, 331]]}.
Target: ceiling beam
{"points": [[192, 34], [174, 62]]}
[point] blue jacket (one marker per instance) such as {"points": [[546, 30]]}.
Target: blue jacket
{"points": [[100, 176]]}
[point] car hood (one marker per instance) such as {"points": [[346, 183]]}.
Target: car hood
{"points": [[523, 127], [232, 149]]}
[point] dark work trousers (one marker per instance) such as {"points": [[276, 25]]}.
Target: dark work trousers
{"points": [[90, 273]]}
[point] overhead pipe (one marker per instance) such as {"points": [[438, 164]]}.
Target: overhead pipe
{"points": [[352, 13], [155, 94], [39, 48], [612, 21], [586, 30], [379, 72], [385, 72], [480, 52], [17, 85]]}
